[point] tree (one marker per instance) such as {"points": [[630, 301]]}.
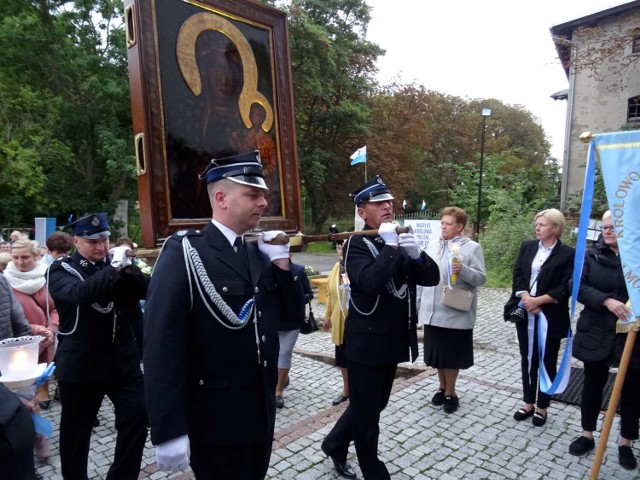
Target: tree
{"points": [[65, 123], [601, 53], [429, 145], [333, 67]]}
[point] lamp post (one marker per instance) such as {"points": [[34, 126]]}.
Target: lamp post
{"points": [[486, 112]]}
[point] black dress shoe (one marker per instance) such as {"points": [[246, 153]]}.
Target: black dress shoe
{"points": [[438, 398], [539, 419], [523, 414], [339, 399], [45, 404], [279, 402], [626, 458], [451, 404], [581, 445], [342, 467]]}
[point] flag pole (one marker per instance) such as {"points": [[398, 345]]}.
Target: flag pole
{"points": [[615, 397]]}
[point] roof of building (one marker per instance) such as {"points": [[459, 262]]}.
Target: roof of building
{"points": [[566, 29]]}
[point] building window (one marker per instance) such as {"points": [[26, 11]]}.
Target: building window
{"points": [[633, 110], [635, 46]]}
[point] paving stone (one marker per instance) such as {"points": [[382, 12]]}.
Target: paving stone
{"points": [[480, 441]]}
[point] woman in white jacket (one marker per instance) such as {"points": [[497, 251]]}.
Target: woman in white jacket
{"points": [[448, 328]]}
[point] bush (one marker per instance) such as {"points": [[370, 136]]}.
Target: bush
{"points": [[510, 223]]}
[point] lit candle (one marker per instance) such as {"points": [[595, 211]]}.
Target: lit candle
{"points": [[20, 364]]}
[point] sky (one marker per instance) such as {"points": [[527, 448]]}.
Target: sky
{"points": [[498, 49]]}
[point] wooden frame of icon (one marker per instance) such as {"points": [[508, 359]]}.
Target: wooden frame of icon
{"points": [[208, 79]]}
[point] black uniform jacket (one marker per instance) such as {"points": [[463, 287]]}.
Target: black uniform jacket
{"points": [[596, 339], [98, 349], [203, 378], [552, 280], [380, 329]]}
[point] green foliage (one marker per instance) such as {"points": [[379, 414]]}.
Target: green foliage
{"points": [[320, 247], [65, 123], [510, 223], [333, 66], [600, 202]]}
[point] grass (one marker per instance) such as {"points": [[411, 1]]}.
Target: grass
{"points": [[498, 279], [320, 247]]}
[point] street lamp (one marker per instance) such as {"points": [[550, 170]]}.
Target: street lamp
{"points": [[486, 112]]}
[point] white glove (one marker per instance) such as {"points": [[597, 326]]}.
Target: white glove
{"points": [[173, 455], [119, 258], [410, 244], [274, 252], [388, 233]]}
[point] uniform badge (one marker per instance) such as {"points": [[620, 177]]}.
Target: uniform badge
{"points": [[95, 221], [181, 233]]}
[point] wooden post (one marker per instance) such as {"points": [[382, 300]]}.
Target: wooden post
{"points": [[613, 403]]}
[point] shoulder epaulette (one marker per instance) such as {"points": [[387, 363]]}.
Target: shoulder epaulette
{"points": [[186, 232]]}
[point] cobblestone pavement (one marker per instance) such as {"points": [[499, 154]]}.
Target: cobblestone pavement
{"points": [[417, 440]]}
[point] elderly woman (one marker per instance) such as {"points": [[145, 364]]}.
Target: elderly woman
{"points": [[603, 293], [448, 329], [27, 278], [59, 245], [541, 281]]}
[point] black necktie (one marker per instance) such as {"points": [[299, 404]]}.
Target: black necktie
{"points": [[242, 254]]}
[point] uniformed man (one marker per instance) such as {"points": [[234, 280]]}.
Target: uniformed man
{"points": [[94, 293], [211, 333], [380, 328]]}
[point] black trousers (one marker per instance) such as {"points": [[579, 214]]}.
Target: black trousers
{"points": [[238, 462], [80, 405], [530, 377], [595, 379], [369, 392]]}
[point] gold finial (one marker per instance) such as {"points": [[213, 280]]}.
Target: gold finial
{"points": [[585, 137]]}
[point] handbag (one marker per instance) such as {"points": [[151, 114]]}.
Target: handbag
{"points": [[517, 315], [309, 325], [457, 298]]}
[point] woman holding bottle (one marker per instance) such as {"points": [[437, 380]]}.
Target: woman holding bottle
{"points": [[448, 326]]}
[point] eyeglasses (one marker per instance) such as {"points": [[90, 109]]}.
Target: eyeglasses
{"points": [[607, 227]]}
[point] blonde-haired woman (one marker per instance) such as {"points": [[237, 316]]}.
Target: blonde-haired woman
{"points": [[541, 281], [27, 278]]}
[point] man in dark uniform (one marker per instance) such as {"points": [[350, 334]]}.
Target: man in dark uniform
{"points": [[211, 333], [380, 328], [97, 353]]}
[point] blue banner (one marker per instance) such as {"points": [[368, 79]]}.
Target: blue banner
{"points": [[619, 156]]}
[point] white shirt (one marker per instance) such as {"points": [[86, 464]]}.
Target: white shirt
{"points": [[229, 234], [541, 256]]}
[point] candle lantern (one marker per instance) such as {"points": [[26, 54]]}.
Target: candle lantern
{"points": [[19, 358]]}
